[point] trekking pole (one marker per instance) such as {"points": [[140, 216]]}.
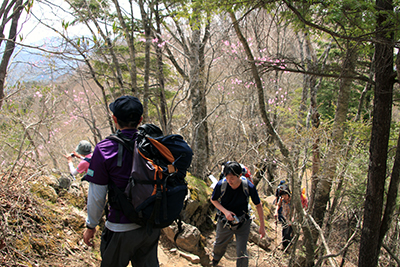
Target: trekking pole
{"points": [[276, 232]]}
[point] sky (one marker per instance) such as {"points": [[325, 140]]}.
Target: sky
{"points": [[33, 32], [30, 64]]}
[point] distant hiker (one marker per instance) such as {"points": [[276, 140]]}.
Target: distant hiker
{"points": [[284, 203], [122, 241], [277, 197], [246, 173], [83, 152], [304, 199], [230, 197]]}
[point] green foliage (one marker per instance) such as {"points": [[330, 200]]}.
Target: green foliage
{"points": [[97, 8], [326, 98]]}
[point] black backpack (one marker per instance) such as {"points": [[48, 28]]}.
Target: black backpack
{"points": [[155, 194]]}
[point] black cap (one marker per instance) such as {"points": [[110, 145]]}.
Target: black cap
{"points": [[127, 108]]}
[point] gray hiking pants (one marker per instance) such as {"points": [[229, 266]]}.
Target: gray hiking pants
{"points": [[224, 235], [136, 246]]}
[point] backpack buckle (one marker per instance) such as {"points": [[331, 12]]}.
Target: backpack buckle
{"points": [[171, 168]]}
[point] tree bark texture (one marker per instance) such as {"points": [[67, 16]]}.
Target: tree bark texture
{"points": [[382, 114], [198, 98]]}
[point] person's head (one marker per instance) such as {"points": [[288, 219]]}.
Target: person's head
{"points": [[285, 193], [232, 171], [128, 111], [84, 148]]}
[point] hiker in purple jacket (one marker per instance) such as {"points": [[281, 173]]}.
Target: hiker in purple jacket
{"points": [[122, 241]]}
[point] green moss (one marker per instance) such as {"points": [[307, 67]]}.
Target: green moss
{"points": [[39, 244], [267, 211], [44, 191], [22, 244], [72, 199], [199, 190]]}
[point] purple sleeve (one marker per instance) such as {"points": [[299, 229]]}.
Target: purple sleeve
{"points": [[97, 172], [103, 165]]}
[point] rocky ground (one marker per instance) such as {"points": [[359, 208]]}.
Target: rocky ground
{"points": [[258, 257], [42, 225]]}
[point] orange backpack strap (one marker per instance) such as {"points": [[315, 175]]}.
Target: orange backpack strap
{"points": [[166, 153]]}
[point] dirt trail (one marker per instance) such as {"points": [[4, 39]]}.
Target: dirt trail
{"points": [[258, 257]]}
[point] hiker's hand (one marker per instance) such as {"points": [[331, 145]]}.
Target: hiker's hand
{"points": [[69, 157], [88, 236], [262, 231], [229, 215]]}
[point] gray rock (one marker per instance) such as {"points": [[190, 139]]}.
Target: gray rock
{"points": [[64, 182], [188, 240]]}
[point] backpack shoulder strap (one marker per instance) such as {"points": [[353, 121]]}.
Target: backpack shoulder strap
{"points": [[123, 142], [87, 159], [245, 186], [223, 188]]}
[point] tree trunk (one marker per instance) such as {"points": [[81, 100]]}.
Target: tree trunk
{"points": [[322, 194], [382, 114], [198, 98], [10, 45], [160, 75], [146, 19], [394, 183], [131, 45]]}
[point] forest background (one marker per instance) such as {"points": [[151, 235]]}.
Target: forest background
{"points": [[296, 90]]}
